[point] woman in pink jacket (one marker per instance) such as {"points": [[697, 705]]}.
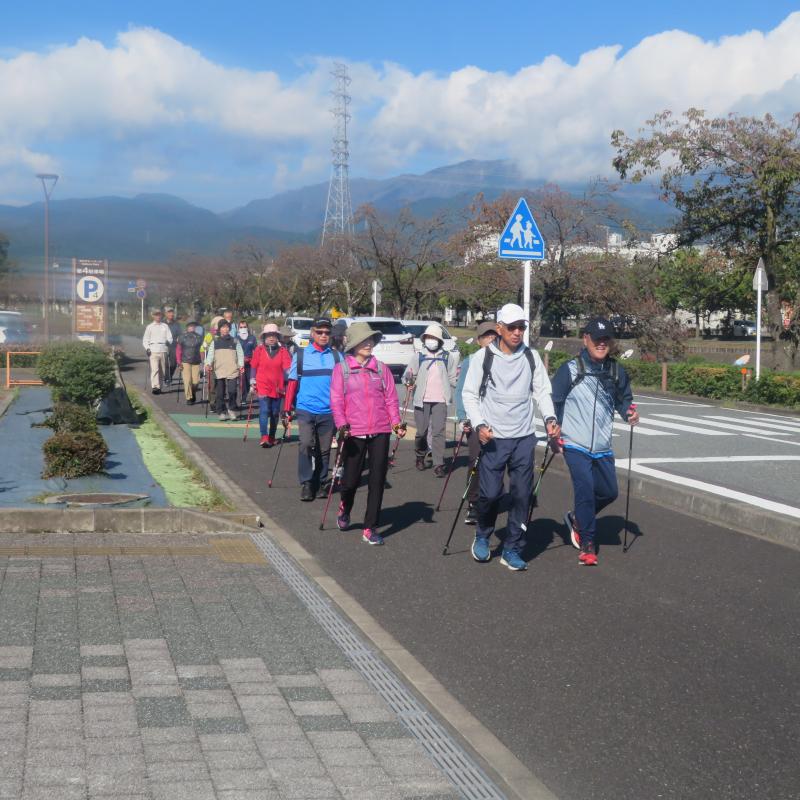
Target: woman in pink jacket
{"points": [[365, 411]]}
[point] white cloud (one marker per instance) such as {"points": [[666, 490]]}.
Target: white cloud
{"points": [[150, 175], [554, 118]]}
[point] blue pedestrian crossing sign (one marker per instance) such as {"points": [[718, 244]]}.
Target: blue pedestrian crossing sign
{"points": [[521, 237]]}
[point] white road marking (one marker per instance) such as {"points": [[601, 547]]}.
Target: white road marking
{"points": [[740, 428], [785, 417], [721, 491], [642, 431], [770, 439], [666, 401], [689, 428], [766, 423], [712, 459]]}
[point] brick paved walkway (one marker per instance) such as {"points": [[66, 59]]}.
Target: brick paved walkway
{"points": [[182, 667]]}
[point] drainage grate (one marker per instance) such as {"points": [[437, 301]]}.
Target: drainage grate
{"points": [[446, 753]]}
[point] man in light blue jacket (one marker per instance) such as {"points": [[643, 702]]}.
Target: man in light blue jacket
{"points": [[505, 384]]}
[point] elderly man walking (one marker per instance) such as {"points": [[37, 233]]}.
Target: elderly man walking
{"points": [[505, 383], [156, 341]]}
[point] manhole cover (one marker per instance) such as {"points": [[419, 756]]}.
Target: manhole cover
{"points": [[99, 499]]}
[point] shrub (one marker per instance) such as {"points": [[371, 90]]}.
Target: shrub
{"points": [[776, 389], [643, 373], [556, 359], [716, 382], [71, 418], [73, 455], [18, 362], [77, 372], [467, 349]]}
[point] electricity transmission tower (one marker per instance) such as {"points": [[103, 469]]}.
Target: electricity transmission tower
{"points": [[339, 210]]}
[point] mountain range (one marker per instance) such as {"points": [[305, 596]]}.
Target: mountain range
{"points": [[155, 227]]}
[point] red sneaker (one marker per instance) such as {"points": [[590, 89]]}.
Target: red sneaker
{"points": [[272, 441], [265, 441], [572, 527], [588, 557]]}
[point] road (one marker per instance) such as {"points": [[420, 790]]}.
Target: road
{"points": [[669, 671]]}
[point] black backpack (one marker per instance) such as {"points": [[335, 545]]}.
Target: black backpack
{"points": [[487, 369], [581, 373]]}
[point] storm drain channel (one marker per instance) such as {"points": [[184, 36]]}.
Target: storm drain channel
{"points": [[447, 754]]}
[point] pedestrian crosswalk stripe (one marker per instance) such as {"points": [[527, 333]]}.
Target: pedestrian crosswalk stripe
{"points": [[767, 423], [741, 427], [688, 428], [642, 431]]}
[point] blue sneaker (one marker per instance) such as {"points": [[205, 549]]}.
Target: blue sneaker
{"points": [[480, 549], [513, 560], [343, 520], [371, 537]]}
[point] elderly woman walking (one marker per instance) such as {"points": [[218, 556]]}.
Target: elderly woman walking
{"points": [[365, 411]]}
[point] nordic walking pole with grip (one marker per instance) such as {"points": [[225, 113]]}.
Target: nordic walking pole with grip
{"points": [[207, 374], [628, 487], [534, 501], [402, 424], [470, 474], [280, 450], [452, 467], [249, 413], [340, 439]]}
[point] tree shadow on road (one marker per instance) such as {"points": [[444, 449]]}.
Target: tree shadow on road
{"points": [[406, 515]]}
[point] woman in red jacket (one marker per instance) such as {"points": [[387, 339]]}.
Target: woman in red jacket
{"points": [[268, 369], [365, 410]]}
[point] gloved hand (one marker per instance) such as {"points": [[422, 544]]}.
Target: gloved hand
{"points": [[148, 353], [400, 430], [343, 432], [286, 418], [466, 426]]}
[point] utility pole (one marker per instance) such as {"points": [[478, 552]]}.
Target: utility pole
{"points": [[48, 184], [339, 209]]}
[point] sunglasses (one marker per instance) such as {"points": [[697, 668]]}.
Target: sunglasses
{"points": [[517, 326], [323, 332]]}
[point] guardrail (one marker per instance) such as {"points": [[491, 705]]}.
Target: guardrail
{"points": [[20, 381]]}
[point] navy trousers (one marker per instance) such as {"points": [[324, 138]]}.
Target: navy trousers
{"points": [[594, 483], [516, 455]]}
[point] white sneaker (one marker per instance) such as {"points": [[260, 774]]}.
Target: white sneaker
{"points": [[223, 417], [232, 415]]}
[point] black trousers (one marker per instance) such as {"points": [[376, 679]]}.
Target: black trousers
{"points": [[223, 387], [356, 450]]}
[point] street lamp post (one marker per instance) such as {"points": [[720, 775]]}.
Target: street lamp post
{"points": [[48, 184]]}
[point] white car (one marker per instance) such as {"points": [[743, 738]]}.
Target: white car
{"points": [[417, 328], [744, 327], [12, 327], [395, 347], [302, 329]]}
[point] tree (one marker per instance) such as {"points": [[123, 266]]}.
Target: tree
{"points": [[407, 254], [736, 182], [6, 268]]}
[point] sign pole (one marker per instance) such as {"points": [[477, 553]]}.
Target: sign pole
{"points": [[143, 311], [526, 298], [759, 274]]}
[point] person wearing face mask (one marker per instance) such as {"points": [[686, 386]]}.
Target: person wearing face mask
{"points": [[225, 360], [268, 368], [249, 343], [433, 373]]}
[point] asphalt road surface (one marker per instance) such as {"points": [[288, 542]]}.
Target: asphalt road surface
{"points": [[667, 672]]}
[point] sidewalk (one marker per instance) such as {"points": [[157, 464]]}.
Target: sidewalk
{"points": [[182, 667]]}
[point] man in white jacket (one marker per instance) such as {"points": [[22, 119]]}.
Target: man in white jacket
{"points": [[505, 383], [156, 342]]}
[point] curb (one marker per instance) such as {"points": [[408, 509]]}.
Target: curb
{"points": [[506, 770], [122, 520]]}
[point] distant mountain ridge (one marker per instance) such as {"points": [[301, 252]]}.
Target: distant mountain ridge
{"points": [[155, 227]]}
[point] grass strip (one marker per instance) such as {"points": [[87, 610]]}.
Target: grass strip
{"points": [[183, 483]]}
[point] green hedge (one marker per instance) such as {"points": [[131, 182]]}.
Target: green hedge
{"points": [[18, 362], [76, 372], [71, 418]]}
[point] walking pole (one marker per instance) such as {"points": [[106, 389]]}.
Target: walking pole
{"points": [[180, 381], [628, 487], [337, 464], [207, 375], [535, 493], [280, 450], [470, 474], [249, 412], [402, 425], [452, 467]]}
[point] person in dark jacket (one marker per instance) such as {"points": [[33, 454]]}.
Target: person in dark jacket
{"points": [[188, 352], [587, 391], [249, 343]]}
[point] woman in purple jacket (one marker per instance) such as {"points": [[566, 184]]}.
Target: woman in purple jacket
{"points": [[365, 411]]}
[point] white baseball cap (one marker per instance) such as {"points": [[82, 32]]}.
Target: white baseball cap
{"points": [[511, 312]]}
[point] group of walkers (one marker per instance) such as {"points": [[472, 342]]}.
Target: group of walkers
{"points": [[343, 396]]}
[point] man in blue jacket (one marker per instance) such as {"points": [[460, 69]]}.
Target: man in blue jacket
{"points": [[586, 392], [310, 385]]}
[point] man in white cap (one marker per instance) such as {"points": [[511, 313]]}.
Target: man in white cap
{"points": [[434, 373], [505, 383]]}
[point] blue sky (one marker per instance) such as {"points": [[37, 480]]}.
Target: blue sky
{"points": [[225, 102]]}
